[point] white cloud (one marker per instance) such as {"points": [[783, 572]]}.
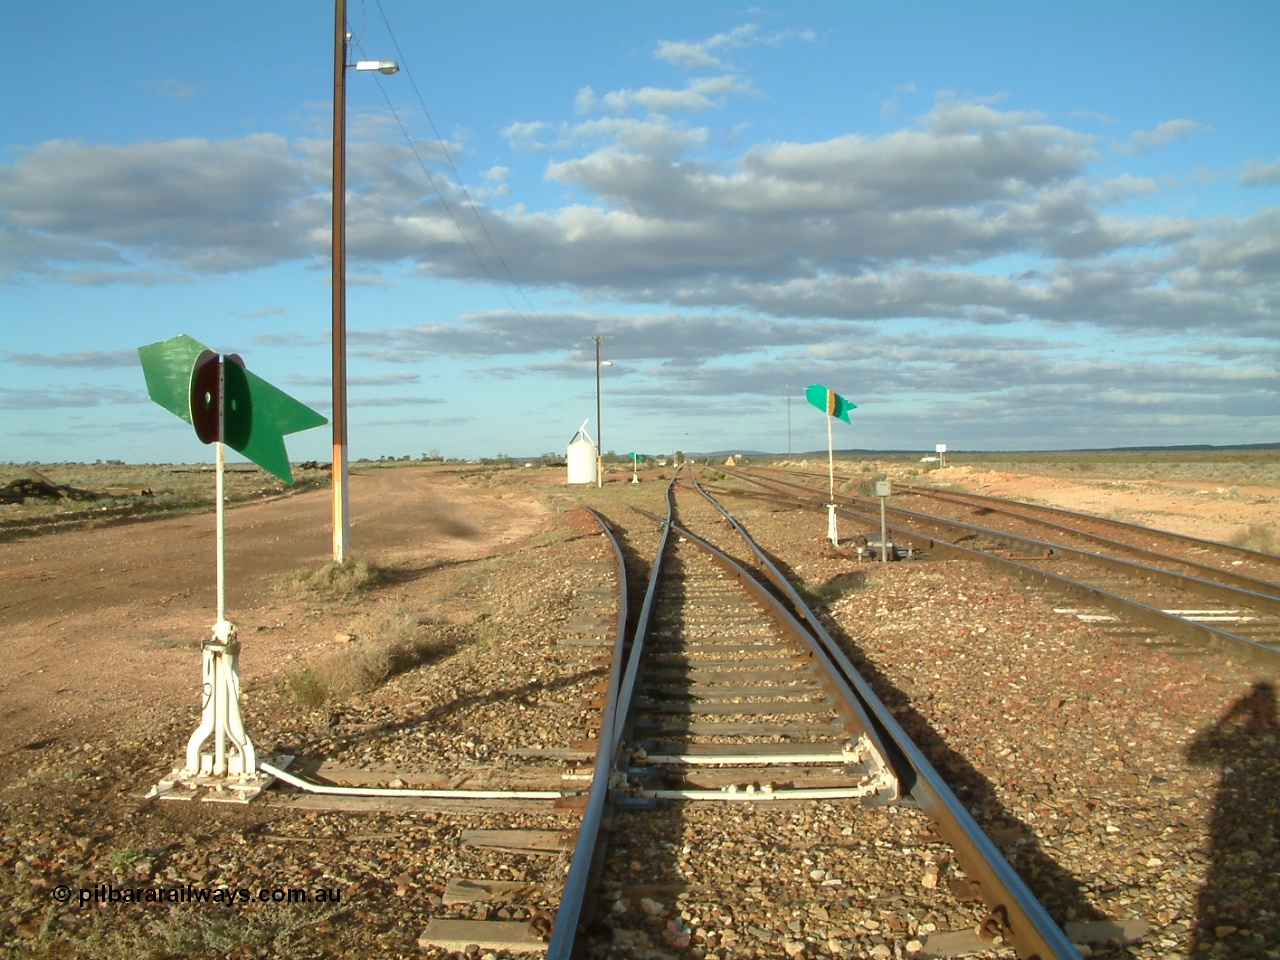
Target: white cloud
{"points": [[913, 223], [174, 89], [690, 55], [1140, 141], [186, 205], [78, 359], [697, 55], [698, 94], [1255, 172]]}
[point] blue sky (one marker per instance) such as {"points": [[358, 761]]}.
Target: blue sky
{"points": [[995, 225]]}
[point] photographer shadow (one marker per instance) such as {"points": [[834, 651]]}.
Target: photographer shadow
{"points": [[1236, 912]]}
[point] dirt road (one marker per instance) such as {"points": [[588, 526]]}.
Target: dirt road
{"points": [[99, 623]]}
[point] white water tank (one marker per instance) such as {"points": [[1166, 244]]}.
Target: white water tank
{"points": [[582, 457]]}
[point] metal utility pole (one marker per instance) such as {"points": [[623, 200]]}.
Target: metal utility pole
{"points": [[599, 428]]}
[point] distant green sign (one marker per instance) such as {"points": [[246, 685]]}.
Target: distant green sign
{"points": [[225, 402], [637, 457], [830, 402]]}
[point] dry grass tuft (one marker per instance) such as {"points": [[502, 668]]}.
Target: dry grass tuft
{"points": [[388, 645], [335, 581], [186, 931], [1257, 536]]}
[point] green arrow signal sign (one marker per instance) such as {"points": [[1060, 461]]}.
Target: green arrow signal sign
{"points": [[830, 402], [225, 402]]}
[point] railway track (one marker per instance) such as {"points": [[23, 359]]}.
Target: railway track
{"points": [[1240, 566], [729, 697], [739, 787], [1130, 789], [725, 701], [1178, 601]]}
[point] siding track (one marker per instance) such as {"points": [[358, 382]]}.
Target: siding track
{"points": [[1175, 601]]}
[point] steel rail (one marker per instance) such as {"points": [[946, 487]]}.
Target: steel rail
{"points": [[873, 750], [1168, 578], [1014, 909], [1002, 505], [1228, 577], [1136, 527], [625, 715], [578, 885], [1241, 649], [1247, 552]]}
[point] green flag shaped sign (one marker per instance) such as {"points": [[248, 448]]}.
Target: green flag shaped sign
{"points": [[192, 382], [829, 402], [637, 457]]}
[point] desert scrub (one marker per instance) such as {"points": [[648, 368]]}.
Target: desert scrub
{"points": [[188, 931], [387, 645], [306, 687], [122, 859], [831, 590], [334, 581], [1257, 536], [130, 490]]}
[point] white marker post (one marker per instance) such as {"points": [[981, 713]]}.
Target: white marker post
{"points": [[220, 716]]}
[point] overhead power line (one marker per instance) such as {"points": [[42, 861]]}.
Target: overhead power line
{"points": [[546, 333]]}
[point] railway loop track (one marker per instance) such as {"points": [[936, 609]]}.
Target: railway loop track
{"points": [[1161, 589]]}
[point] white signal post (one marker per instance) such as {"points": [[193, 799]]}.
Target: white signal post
{"points": [[231, 769], [941, 450], [831, 487], [833, 405]]}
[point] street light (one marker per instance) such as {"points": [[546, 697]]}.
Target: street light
{"points": [[341, 512]]}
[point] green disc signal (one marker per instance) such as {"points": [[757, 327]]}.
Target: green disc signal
{"points": [[829, 402], [225, 402]]}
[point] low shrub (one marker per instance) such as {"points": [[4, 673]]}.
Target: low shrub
{"points": [[1257, 536], [335, 581], [387, 646]]}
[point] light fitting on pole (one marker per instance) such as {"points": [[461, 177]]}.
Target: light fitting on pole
{"points": [[382, 66]]}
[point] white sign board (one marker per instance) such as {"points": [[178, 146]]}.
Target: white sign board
{"points": [[940, 448]]}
